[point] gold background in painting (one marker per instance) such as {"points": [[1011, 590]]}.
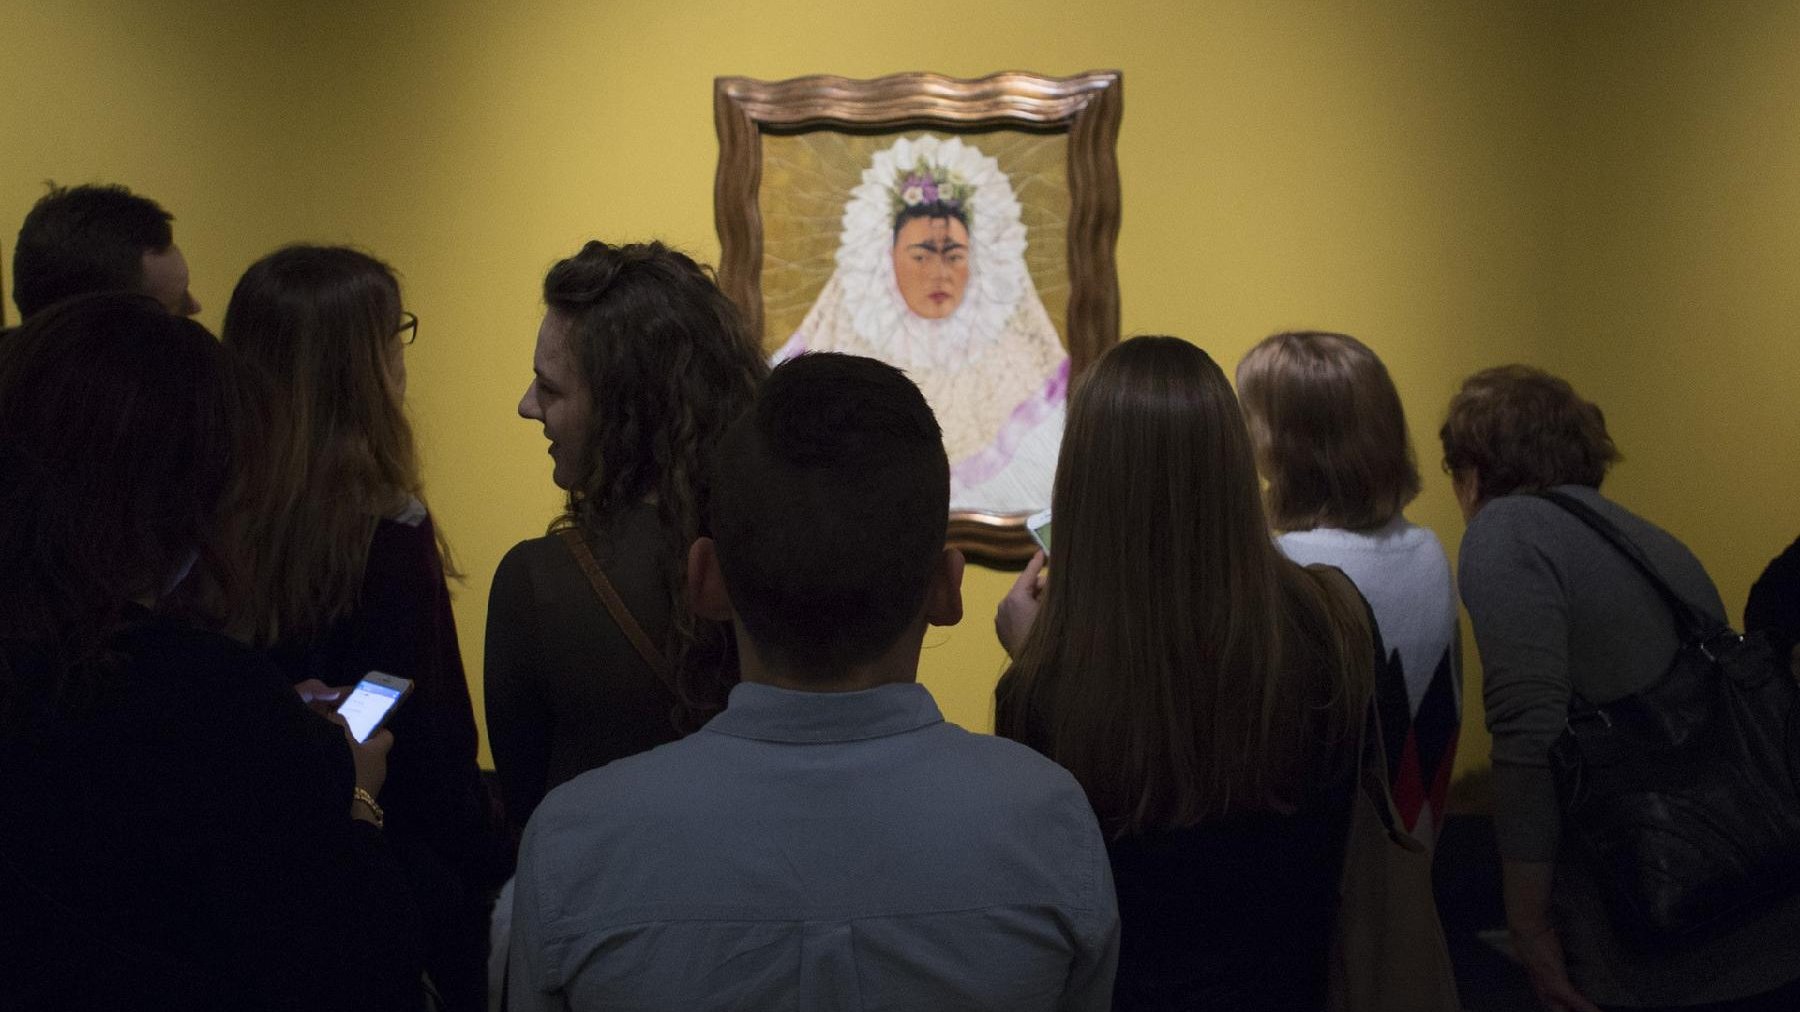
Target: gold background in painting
{"points": [[807, 178]]}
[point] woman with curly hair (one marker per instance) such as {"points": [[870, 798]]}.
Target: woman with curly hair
{"points": [[641, 363]]}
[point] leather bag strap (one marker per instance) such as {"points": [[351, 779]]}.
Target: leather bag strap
{"points": [[615, 606], [1688, 618]]}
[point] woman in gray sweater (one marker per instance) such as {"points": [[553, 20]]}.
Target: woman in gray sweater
{"points": [[1556, 610]]}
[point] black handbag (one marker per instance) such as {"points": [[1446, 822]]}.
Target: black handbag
{"points": [[1682, 797]]}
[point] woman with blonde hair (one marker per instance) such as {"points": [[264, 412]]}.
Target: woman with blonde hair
{"points": [[1205, 690], [348, 571], [1331, 441]]}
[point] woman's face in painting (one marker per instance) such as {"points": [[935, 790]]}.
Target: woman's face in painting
{"points": [[931, 263]]}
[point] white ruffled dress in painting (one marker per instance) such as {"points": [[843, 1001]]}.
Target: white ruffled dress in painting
{"points": [[994, 371]]}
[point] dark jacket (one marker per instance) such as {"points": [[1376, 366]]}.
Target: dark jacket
{"points": [[451, 851], [186, 842]]}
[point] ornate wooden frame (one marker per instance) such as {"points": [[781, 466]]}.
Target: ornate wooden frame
{"points": [[1087, 107]]}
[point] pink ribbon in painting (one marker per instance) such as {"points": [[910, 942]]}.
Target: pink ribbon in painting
{"points": [[980, 467]]}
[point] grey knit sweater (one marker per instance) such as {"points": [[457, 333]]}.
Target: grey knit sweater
{"points": [[1558, 610]]}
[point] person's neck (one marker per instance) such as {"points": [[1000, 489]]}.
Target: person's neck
{"points": [[897, 665]]}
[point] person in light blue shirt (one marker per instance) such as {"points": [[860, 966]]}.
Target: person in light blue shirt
{"points": [[829, 841]]}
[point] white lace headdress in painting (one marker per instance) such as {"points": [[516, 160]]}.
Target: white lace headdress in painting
{"points": [[997, 274]]}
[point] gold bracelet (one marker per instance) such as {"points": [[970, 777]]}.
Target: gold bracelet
{"points": [[367, 800]]}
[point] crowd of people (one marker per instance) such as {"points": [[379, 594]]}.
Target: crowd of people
{"points": [[717, 781]]}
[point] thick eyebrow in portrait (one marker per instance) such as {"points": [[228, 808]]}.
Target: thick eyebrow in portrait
{"points": [[932, 246]]}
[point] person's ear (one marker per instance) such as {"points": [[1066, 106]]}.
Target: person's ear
{"points": [[1466, 483], [943, 598], [706, 593]]}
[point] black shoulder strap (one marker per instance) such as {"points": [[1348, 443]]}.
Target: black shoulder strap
{"points": [[1690, 620]]}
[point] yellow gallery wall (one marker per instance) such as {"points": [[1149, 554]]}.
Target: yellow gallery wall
{"points": [[1400, 171], [1677, 294]]}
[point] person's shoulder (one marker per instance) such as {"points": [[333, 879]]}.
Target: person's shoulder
{"points": [[405, 533], [541, 562], [625, 533], [412, 513], [215, 675], [1416, 537], [632, 788], [1309, 546], [1781, 575], [196, 653], [1420, 547], [1397, 537], [1512, 512], [1017, 772], [533, 553], [1506, 522]]}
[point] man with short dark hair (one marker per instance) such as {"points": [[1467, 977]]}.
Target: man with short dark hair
{"points": [[829, 841], [82, 239]]}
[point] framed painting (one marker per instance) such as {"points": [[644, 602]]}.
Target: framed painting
{"points": [[962, 230]]}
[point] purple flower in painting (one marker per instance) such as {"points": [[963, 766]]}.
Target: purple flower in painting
{"points": [[919, 188]]}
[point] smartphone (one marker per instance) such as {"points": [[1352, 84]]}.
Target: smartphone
{"points": [[1039, 526], [371, 701]]}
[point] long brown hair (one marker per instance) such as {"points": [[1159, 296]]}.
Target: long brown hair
{"points": [[670, 365], [1181, 667], [315, 328]]}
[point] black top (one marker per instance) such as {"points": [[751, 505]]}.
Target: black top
{"points": [[1774, 605], [436, 808], [187, 843], [566, 691], [1237, 912], [1231, 914]]}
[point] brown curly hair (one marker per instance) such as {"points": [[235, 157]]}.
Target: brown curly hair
{"points": [[1521, 429], [674, 365]]}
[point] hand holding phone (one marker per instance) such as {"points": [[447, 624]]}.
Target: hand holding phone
{"points": [[370, 703], [1019, 608]]}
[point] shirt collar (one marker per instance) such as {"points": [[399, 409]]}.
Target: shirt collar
{"points": [[766, 713]]}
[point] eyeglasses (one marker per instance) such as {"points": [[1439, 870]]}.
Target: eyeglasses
{"points": [[409, 328]]}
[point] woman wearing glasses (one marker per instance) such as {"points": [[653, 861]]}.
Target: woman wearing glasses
{"points": [[347, 572]]}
